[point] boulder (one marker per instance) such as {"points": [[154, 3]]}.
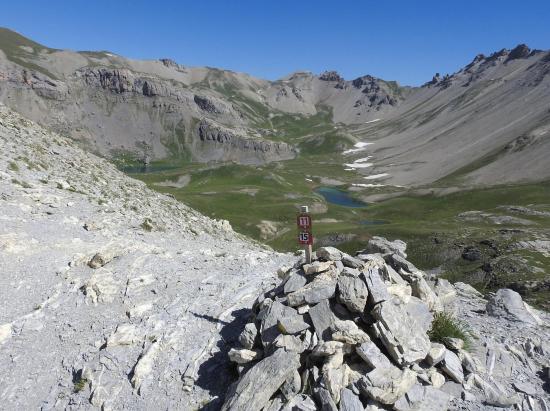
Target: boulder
{"points": [[99, 260], [292, 324], [466, 290], [435, 378], [452, 366], [269, 326], [248, 336], [349, 401], [348, 332], [376, 287], [445, 291], [376, 260], [254, 389], [403, 336], [323, 397], [352, 290], [452, 388], [316, 267], [335, 376], [327, 348], [402, 291], [300, 402], [508, 304], [422, 290], [387, 385], [329, 254], [351, 262], [294, 282], [469, 364], [276, 404], [401, 265], [291, 386], [423, 398], [374, 406], [372, 355], [323, 319], [290, 343], [525, 387], [493, 395], [321, 288], [392, 276], [303, 309], [418, 310], [243, 356], [436, 353], [384, 246]]}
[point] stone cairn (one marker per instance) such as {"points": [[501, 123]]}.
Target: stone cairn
{"points": [[345, 333]]}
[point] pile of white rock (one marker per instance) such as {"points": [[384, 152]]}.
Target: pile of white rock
{"points": [[351, 333]]}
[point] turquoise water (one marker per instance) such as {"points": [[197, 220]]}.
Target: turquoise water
{"points": [[339, 197]]}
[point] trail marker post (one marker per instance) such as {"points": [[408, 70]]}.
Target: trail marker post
{"points": [[304, 231]]}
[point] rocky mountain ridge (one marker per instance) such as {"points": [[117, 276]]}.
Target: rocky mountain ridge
{"points": [[490, 113]]}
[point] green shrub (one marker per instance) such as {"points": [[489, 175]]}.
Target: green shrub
{"points": [[79, 384], [446, 325]]}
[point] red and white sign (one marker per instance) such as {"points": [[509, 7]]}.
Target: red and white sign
{"points": [[304, 221], [305, 237]]}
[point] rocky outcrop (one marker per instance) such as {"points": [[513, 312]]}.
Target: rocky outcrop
{"points": [[521, 51], [206, 104], [508, 304], [364, 343], [377, 92], [123, 81], [330, 76], [219, 143]]}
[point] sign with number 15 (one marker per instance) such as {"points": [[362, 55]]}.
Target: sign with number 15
{"points": [[305, 237]]}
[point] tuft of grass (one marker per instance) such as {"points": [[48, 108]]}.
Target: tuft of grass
{"points": [[147, 225], [23, 184], [80, 384], [445, 325], [13, 166]]}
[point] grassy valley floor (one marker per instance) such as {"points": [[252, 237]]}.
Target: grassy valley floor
{"points": [[472, 235]]}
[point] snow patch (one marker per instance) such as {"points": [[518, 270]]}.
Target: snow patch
{"points": [[368, 185], [360, 146], [375, 176], [358, 165]]}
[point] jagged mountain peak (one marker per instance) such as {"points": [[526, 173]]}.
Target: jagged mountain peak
{"points": [[482, 64], [331, 75]]}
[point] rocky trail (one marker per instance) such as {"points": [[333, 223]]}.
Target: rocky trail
{"points": [[111, 295]]}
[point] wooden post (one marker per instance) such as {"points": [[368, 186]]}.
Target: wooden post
{"points": [[304, 232]]}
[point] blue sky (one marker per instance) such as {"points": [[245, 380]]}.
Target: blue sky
{"points": [[407, 41]]}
